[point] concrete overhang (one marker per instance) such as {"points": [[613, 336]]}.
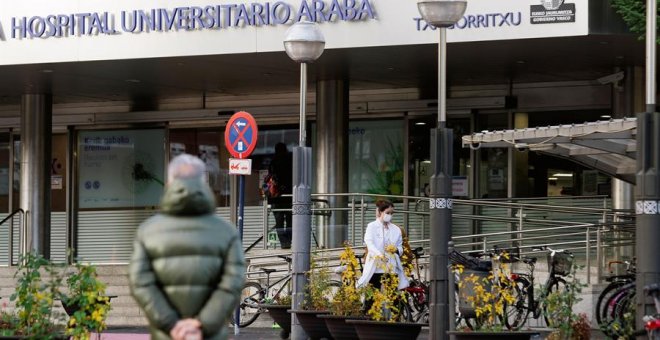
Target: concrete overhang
{"points": [[608, 146]]}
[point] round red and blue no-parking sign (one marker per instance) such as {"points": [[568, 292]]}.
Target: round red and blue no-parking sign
{"points": [[241, 135]]}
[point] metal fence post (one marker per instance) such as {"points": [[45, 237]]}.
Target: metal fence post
{"points": [[520, 226], [588, 256], [362, 209], [265, 217], [353, 219], [599, 255]]}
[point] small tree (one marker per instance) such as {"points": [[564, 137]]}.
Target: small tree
{"points": [[633, 13], [559, 309]]}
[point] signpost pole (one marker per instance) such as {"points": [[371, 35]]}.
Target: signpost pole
{"points": [[647, 190], [241, 204], [240, 140]]}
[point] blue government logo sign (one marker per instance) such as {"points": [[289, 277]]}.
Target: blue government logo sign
{"points": [[551, 4]]}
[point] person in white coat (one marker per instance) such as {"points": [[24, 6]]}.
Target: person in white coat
{"points": [[381, 237]]}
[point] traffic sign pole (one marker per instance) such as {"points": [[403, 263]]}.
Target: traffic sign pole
{"points": [[240, 140], [241, 205]]}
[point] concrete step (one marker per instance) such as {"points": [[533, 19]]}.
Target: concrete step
{"points": [[122, 321]]}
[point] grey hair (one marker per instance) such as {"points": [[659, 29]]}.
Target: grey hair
{"points": [[185, 166]]}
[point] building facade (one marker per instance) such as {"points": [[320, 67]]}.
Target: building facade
{"points": [[100, 95]]}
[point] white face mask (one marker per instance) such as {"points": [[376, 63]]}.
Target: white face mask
{"points": [[387, 218]]}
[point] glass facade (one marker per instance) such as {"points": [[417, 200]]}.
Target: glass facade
{"points": [[120, 173]]}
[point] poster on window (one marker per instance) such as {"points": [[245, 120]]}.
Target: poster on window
{"points": [[120, 168], [375, 157]]}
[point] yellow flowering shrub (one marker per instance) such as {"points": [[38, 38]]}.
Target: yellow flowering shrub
{"points": [[318, 290], [33, 299], [348, 300], [386, 301], [87, 300], [407, 258]]}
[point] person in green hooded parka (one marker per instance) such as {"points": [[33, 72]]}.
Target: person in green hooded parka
{"points": [[188, 267]]}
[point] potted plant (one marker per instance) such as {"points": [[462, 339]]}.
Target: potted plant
{"points": [[559, 308], [85, 303], [385, 311], [347, 302], [39, 284], [278, 311], [316, 302], [33, 316], [482, 297]]}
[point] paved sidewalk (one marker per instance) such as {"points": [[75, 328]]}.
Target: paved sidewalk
{"points": [[246, 333], [252, 333]]}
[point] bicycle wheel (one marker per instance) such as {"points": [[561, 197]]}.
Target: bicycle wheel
{"points": [[515, 314], [251, 296], [611, 304], [605, 295], [615, 322], [559, 285]]}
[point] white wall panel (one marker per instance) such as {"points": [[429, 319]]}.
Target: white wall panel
{"points": [[394, 23]]}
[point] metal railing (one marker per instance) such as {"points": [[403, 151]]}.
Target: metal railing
{"points": [[513, 213], [515, 225]]}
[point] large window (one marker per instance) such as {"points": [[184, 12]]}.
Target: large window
{"points": [[375, 157], [120, 168]]}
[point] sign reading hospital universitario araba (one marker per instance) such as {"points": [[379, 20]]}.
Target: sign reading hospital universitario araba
{"points": [[39, 31]]}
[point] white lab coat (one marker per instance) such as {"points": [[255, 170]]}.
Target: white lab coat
{"points": [[374, 238]]}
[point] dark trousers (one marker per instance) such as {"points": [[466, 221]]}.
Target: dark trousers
{"points": [[283, 231]]}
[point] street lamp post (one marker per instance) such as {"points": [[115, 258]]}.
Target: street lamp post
{"points": [[647, 188], [304, 43], [441, 14]]}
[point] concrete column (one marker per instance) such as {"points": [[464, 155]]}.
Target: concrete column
{"points": [[623, 198], [331, 151], [623, 195], [36, 132]]}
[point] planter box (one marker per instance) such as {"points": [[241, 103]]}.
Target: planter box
{"points": [[339, 328], [504, 335], [381, 330], [280, 315], [313, 326]]}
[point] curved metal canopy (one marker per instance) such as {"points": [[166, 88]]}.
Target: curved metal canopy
{"points": [[608, 146]]}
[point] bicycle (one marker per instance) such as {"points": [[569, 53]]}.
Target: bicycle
{"points": [[607, 300], [560, 263], [416, 308], [254, 295]]}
